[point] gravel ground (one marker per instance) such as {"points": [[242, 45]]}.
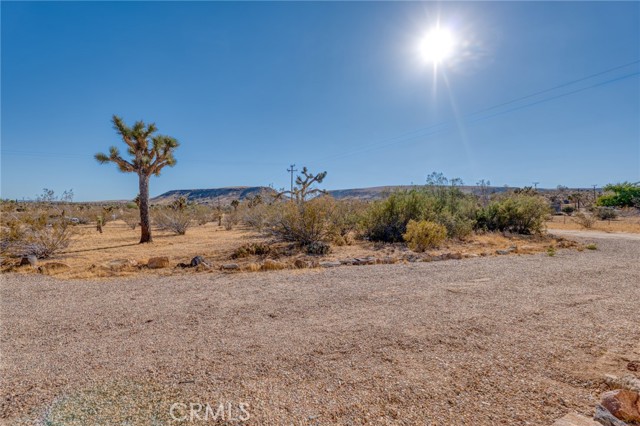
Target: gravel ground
{"points": [[508, 340]]}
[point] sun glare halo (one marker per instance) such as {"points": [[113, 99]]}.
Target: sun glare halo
{"points": [[437, 46]]}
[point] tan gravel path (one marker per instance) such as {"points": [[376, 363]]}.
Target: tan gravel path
{"points": [[508, 340]]}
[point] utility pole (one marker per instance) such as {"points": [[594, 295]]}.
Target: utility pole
{"points": [[594, 193], [292, 170], [535, 185]]}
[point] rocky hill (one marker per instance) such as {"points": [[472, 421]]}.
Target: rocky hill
{"points": [[223, 196]]}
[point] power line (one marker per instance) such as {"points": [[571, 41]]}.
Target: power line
{"points": [[292, 170], [447, 124]]}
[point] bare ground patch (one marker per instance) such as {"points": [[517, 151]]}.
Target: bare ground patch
{"points": [[511, 340]]}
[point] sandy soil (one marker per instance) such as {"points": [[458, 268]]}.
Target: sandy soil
{"points": [[90, 253], [507, 340], [630, 224]]}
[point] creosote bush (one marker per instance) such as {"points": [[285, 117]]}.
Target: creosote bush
{"points": [[387, 220], [518, 213], [422, 235]]}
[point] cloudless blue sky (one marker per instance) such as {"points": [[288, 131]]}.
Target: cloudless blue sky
{"points": [[248, 88]]}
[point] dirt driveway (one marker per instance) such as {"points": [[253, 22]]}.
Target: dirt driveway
{"points": [[509, 340]]}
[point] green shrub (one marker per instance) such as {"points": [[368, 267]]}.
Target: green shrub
{"points": [[591, 247], [625, 194], [424, 234], [518, 213], [387, 220], [568, 210]]}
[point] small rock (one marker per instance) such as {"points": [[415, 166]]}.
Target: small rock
{"points": [[502, 252], [633, 366], [574, 420], [329, 264], [625, 382], [300, 264], [456, 255], [158, 262], [622, 403], [364, 260], [120, 264], [199, 260], [50, 267], [605, 418], [29, 260], [347, 261], [230, 267]]}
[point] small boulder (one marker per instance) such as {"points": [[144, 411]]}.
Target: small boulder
{"points": [[158, 262], [622, 403], [120, 264], [300, 264], [29, 260], [605, 418], [199, 260], [230, 267], [572, 419], [329, 264], [364, 260]]}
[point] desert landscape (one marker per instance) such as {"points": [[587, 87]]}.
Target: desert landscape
{"points": [[319, 213]]}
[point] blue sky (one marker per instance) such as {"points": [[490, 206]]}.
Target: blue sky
{"points": [[248, 88]]}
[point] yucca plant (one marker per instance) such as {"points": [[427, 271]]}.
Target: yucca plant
{"points": [[149, 155]]}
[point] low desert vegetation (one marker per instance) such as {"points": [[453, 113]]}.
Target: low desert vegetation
{"points": [[625, 194], [585, 220], [299, 224], [424, 234]]}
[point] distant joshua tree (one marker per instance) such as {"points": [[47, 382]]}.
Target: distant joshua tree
{"points": [[149, 154]]}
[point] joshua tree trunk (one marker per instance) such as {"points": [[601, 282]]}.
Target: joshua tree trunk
{"points": [[145, 222]]}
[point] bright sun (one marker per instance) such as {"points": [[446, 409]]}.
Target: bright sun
{"points": [[437, 45]]}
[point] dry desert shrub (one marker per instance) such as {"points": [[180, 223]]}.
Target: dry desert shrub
{"points": [[39, 235], [303, 223], [584, 220], [177, 217], [424, 234]]}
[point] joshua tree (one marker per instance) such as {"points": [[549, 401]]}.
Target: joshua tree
{"points": [[149, 154], [304, 186]]}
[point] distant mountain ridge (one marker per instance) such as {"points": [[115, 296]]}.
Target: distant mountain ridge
{"points": [[226, 195], [212, 195]]}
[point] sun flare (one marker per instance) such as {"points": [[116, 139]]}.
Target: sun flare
{"points": [[438, 45]]}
